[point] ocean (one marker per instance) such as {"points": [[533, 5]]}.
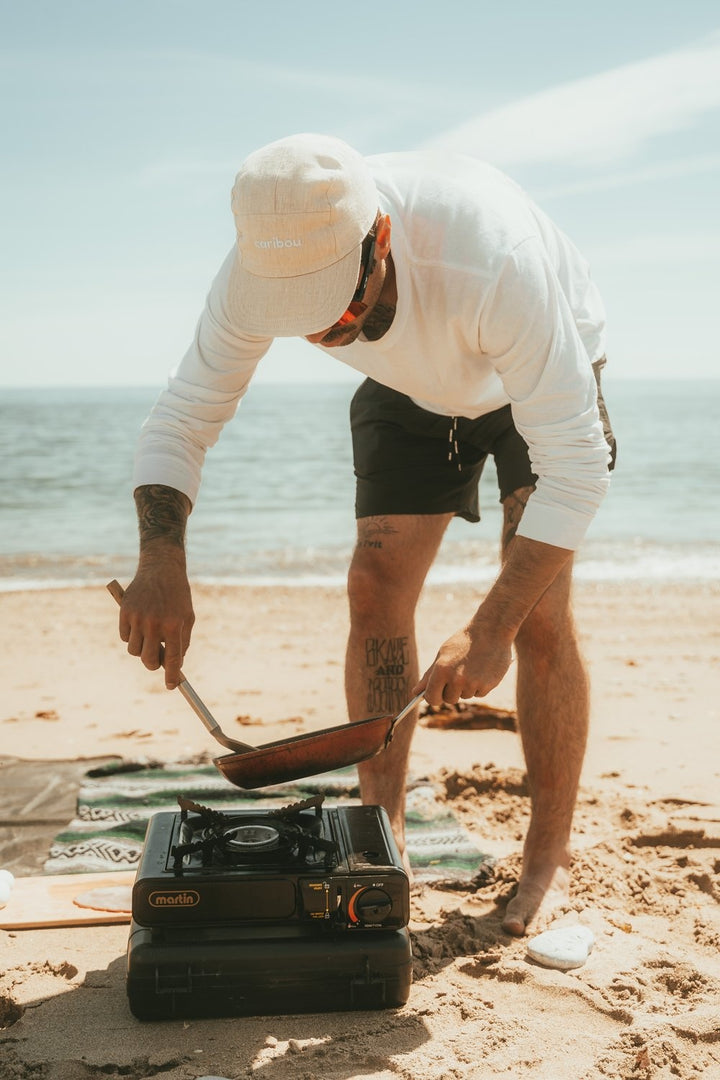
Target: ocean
{"points": [[276, 505]]}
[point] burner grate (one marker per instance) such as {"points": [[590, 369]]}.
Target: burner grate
{"points": [[285, 837]]}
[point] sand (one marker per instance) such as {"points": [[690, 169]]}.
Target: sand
{"points": [[268, 661]]}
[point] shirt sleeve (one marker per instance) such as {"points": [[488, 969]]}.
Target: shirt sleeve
{"points": [[202, 394], [528, 333]]}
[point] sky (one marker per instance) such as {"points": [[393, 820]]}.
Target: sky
{"points": [[123, 125]]}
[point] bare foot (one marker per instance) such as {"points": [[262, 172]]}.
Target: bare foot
{"points": [[538, 895]]}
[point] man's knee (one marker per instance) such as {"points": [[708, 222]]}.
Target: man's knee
{"points": [[364, 584], [541, 633], [373, 585]]}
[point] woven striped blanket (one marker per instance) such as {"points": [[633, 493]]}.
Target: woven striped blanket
{"points": [[116, 802]]}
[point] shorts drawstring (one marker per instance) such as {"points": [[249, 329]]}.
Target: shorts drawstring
{"points": [[452, 440]]}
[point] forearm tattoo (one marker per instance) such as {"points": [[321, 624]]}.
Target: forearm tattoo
{"points": [[513, 507], [162, 513], [387, 661]]}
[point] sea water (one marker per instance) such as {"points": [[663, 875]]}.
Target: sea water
{"points": [[276, 503]]}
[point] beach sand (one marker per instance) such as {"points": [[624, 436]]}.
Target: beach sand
{"points": [[269, 663]]}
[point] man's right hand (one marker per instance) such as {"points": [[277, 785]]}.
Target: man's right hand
{"points": [[157, 610], [156, 613]]}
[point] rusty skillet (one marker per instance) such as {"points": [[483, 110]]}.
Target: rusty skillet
{"points": [[297, 757], [312, 753]]}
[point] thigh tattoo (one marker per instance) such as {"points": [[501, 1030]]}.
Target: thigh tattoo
{"points": [[371, 531]]}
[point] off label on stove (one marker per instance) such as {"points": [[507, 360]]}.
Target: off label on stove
{"points": [[174, 898]]}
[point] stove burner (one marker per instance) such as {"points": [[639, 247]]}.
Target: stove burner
{"points": [[253, 837], [208, 838]]}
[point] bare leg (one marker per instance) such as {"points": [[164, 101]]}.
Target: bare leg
{"points": [[553, 709], [391, 560]]}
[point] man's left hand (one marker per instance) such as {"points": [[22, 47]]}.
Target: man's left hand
{"points": [[470, 664]]}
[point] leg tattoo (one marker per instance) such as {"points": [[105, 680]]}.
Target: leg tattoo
{"points": [[386, 661]]}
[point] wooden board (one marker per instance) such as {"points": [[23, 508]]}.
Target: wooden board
{"points": [[47, 900]]}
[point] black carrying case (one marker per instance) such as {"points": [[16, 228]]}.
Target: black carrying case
{"points": [[206, 973]]}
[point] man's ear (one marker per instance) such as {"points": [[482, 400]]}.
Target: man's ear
{"points": [[382, 237]]}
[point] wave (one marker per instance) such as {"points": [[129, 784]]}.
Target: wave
{"points": [[461, 562]]}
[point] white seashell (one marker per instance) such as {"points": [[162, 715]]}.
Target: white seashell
{"points": [[563, 948], [5, 890], [6, 875]]}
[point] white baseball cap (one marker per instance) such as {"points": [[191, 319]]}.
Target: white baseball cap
{"points": [[303, 206]]}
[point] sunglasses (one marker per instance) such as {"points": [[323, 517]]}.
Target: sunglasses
{"points": [[356, 306]]}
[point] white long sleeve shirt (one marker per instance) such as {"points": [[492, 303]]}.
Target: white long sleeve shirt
{"points": [[495, 306]]}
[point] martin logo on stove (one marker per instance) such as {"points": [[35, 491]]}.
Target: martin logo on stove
{"points": [[183, 898]]}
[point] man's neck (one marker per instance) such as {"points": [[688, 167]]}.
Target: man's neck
{"points": [[388, 295], [380, 318]]}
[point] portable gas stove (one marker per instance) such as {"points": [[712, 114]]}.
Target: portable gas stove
{"points": [[298, 909]]}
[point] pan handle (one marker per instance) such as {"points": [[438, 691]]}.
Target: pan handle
{"points": [[199, 707], [401, 716]]}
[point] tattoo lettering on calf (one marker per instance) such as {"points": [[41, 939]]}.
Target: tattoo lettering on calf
{"points": [[387, 685], [386, 696], [387, 652]]}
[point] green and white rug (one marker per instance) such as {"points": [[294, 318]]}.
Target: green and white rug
{"points": [[115, 803]]}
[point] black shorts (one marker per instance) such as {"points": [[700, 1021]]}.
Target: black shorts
{"points": [[410, 461]]}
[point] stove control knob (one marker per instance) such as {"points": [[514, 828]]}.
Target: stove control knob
{"points": [[372, 906]]}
